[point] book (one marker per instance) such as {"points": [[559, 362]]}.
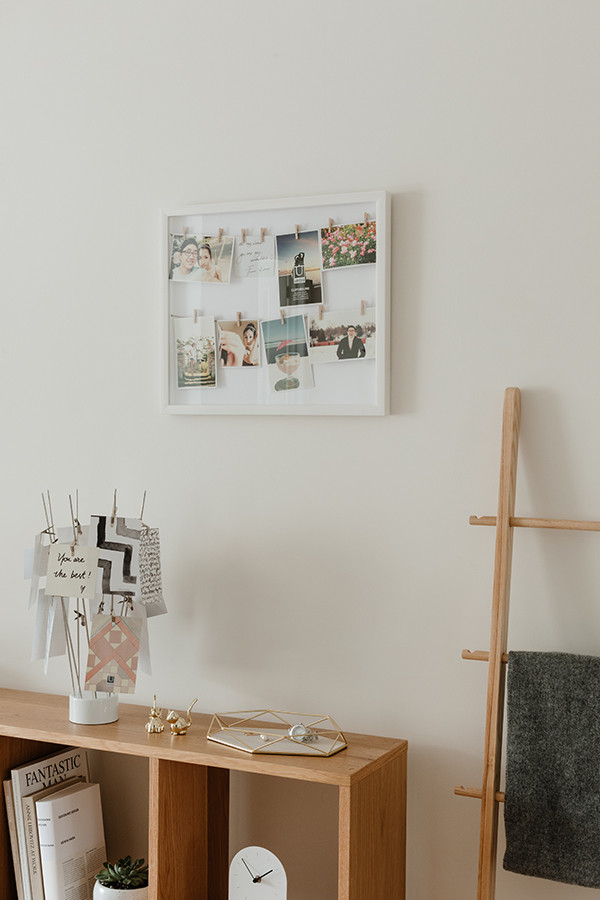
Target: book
{"points": [[35, 776], [12, 832], [31, 834], [71, 834]]}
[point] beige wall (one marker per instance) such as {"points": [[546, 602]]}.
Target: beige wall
{"points": [[482, 120]]}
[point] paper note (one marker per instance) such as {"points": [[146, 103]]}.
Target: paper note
{"points": [[72, 571], [150, 573], [49, 631], [255, 257], [118, 554], [113, 656]]}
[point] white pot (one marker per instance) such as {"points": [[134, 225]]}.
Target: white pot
{"points": [[101, 892], [92, 710]]}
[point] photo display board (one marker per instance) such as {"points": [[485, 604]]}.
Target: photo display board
{"points": [[277, 307]]}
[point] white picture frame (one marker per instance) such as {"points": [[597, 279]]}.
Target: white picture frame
{"points": [[358, 387]]}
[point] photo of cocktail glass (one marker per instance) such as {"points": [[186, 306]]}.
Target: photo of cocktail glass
{"points": [[287, 363]]}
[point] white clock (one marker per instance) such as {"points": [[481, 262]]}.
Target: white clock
{"points": [[256, 874]]}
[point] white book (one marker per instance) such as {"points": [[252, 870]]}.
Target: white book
{"points": [[72, 847], [35, 776], [31, 834]]}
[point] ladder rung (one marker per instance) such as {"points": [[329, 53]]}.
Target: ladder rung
{"points": [[518, 522], [476, 793], [481, 655]]}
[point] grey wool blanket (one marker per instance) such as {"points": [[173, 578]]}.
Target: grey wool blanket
{"points": [[552, 803]]}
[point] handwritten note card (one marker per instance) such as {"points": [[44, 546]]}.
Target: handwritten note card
{"points": [[255, 257], [72, 571]]}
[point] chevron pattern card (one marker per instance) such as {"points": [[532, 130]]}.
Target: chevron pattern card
{"points": [[114, 653], [118, 554]]}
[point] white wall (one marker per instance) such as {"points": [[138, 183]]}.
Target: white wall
{"points": [[482, 119]]}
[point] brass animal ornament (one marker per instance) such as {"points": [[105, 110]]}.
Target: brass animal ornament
{"points": [[155, 725], [178, 724]]}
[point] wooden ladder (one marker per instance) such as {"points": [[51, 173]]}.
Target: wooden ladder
{"points": [[497, 657]]}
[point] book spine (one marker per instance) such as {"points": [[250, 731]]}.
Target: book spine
{"points": [[12, 831], [18, 813], [32, 849]]}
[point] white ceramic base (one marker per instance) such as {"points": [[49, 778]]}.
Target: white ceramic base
{"points": [[94, 710], [101, 892]]}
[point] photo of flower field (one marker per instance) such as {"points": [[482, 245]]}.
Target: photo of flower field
{"points": [[349, 245]]}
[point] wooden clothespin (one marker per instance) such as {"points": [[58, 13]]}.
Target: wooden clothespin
{"points": [[244, 235], [220, 235], [320, 310], [239, 318], [297, 229], [77, 522], [195, 317], [262, 235], [50, 519], [330, 222], [74, 544], [184, 231], [282, 314], [362, 307], [366, 220], [113, 514]]}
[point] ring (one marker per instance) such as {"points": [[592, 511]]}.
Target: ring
{"points": [[301, 733]]}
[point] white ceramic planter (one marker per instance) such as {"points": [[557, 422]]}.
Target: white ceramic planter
{"points": [[101, 892], [94, 711]]}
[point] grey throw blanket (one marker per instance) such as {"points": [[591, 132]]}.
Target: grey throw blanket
{"points": [[552, 804]]}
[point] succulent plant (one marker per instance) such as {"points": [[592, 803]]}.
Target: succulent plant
{"points": [[125, 874]]}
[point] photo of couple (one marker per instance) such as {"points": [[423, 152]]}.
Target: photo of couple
{"points": [[201, 259]]}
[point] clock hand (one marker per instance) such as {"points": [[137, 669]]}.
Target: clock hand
{"points": [[260, 877], [246, 864]]}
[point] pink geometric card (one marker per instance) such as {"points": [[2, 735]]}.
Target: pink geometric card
{"points": [[113, 655]]}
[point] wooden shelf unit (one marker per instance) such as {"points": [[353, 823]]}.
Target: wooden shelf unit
{"points": [[188, 840]]}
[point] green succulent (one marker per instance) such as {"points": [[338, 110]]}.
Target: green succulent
{"points": [[125, 874]]}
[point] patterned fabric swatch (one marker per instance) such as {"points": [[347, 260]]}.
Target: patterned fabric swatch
{"points": [[113, 655], [150, 574]]}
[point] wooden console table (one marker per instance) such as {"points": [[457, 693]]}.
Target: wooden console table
{"points": [[188, 841]]}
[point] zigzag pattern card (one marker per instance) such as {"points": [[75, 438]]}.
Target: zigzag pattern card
{"points": [[118, 554], [114, 652], [150, 574]]}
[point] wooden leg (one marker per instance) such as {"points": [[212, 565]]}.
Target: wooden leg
{"points": [[14, 752], [486, 883], [188, 841], [372, 835]]}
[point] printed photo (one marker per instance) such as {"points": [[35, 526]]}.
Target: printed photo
{"points": [[342, 335], [201, 258], [183, 264], [238, 343], [286, 353], [349, 245], [215, 258], [195, 346], [299, 268]]}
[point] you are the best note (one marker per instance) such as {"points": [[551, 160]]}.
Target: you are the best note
{"points": [[72, 571]]}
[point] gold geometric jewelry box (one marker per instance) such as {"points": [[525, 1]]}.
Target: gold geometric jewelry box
{"points": [[274, 731]]}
